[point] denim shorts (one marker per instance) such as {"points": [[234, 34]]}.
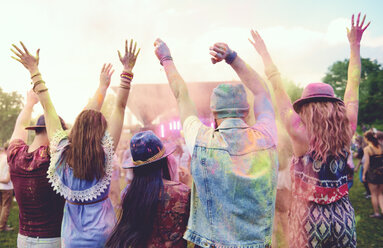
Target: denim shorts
{"points": [[29, 242]]}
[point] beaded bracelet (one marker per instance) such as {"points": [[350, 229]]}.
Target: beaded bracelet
{"points": [[127, 75], [41, 91], [37, 74], [164, 59], [37, 83], [125, 80], [273, 74], [126, 87]]}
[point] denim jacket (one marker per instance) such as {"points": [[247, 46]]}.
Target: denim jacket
{"points": [[234, 168]]}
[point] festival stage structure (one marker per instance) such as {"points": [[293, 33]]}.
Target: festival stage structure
{"points": [[153, 106]]}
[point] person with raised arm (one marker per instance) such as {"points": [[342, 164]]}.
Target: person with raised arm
{"points": [[81, 160], [234, 166], [40, 208], [321, 127]]}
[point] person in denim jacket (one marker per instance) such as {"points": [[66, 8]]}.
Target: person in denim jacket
{"points": [[234, 166]]}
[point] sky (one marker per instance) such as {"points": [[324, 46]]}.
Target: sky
{"points": [[304, 38]]}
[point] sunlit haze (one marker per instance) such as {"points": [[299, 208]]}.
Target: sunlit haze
{"points": [[77, 37]]}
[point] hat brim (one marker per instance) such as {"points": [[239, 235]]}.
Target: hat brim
{"points": [[298, 103], [35, 127], [128, 164]]}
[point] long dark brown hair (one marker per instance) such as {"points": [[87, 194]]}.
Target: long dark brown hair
{"points": [[139, 206], [328, 129], [372, 137], [85, 153]]}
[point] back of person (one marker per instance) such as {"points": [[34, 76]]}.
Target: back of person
{"points": [[317, 181], [41, 209], [172, 216], [375, 170], [234, 168], [88, 213]]}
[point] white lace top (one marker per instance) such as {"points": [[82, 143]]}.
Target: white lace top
{"points": [[61, 175]]}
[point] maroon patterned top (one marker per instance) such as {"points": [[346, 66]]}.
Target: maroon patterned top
{"points": [[172, 217], [41, 209]]}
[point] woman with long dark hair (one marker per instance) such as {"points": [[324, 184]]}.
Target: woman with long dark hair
{"points": [[81, 160], [320, 126], [373, 171], [155, 209]]}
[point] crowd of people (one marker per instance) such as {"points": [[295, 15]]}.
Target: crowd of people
{"points": [[221, 188]]}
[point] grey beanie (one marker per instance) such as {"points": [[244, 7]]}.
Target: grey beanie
{"points": [[229, 101]]}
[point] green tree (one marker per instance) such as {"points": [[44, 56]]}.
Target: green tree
{"points": [[10, 107], [336, 75], [370, 91], [293, 90]]}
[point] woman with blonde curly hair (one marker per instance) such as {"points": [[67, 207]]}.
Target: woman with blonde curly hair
{"points": [[320, 126]]}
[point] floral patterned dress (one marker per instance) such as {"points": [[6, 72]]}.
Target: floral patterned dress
{"points": [[88, 213], [172, 217]]}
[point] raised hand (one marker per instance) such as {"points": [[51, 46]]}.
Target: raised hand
{"points": [[355, 34], [24, 57], [129, 59], [258, 43], [32, 98], [106, 75], [219, 51], [162, 51]]}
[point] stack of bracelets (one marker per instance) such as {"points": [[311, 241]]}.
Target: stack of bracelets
{"points": [[126, 79], [37, 83]]}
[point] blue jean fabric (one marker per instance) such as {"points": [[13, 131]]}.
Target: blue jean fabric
{"points": [[29, 242], [234, 169]]}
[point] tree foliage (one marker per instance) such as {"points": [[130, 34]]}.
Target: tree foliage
{"points": [[10, 107], [370, 91]]}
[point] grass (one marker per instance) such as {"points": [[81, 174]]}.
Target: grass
{"points": [[369, 230]]}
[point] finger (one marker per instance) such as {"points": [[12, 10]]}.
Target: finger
{"points": [[21, 52], [103, 68], [216, 55], [348, 31], [368, 24], [25, 49], [119, 54], [214, 61], [157, 42], [134, 49], [251, 42], [126, 46], [130, 46], [17, 59], [18, 55], [38, 55], [258, 35], [108, 67], [357, 20], [364, 18], [352, 20], [218, 50], [111, 73], [139, 49]]}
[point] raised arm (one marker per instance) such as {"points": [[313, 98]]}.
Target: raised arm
{"points": [[31, 63], [289, 117], [24, 118], [98, 98], [177, 84], [262, 99], [117, 118], [351, 95]]}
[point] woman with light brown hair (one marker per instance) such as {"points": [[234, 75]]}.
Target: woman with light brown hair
{"points": [[373, 171], [81, 160], [321, 127]]}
